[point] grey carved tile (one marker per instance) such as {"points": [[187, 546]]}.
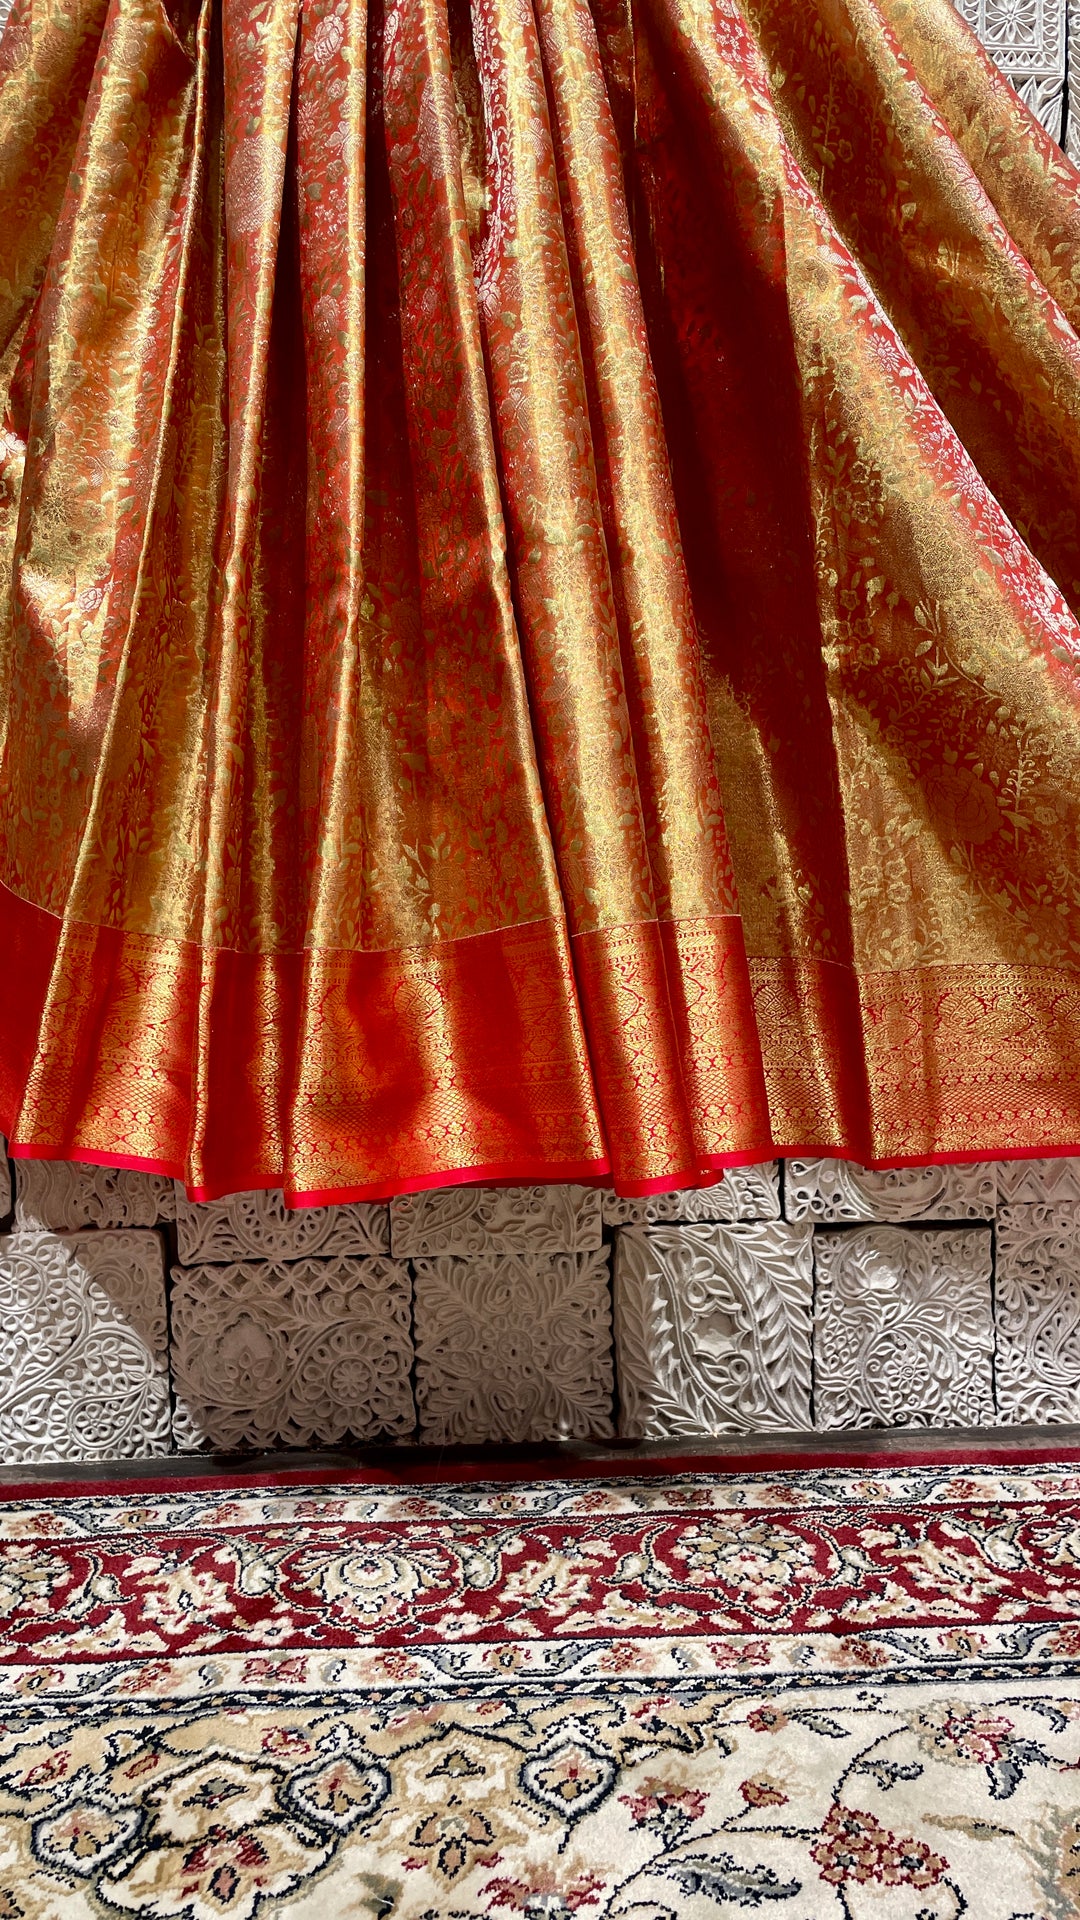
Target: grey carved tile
{"points": [[713, 1329], [744, 1193], [5, 1180], [1037, 1317], [64, 1195], [513, 1346], [259, 1226], [297, 1353], [83, 1373], [837, 1190], [1073, 100], [903, 1329], [1026, 39], [1047, 1183], [460, 1220]]}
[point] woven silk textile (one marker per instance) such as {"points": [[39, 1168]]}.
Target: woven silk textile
{"points": [[540, 548]]}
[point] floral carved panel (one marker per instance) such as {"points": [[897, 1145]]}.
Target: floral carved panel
{"points": [[462, 1220], [713, 1329], [837, 1190], [903, 1328], [1037, 1317], [64, 1195], [514, 1347], [303, 1353], [83, 1365], [260, 1226], [1026, 39], [744, 1193]]}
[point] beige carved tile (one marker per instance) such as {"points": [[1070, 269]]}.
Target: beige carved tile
{"points": [[513, 1346], [291, 1354], [461, 1220], [83, 1373], [1047, 1183], [64, 1195], [840, 1190], [903, 1329], [712, 1329], [744, 1193], [259, 1226], [1037, 1313]]}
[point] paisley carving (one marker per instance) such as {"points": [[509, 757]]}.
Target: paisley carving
{"points": [[712, 1329]]}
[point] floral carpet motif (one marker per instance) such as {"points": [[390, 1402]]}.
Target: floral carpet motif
{"points": [[813, 1693]]}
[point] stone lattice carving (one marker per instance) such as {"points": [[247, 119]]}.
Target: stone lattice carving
{"points": [[1037, 1313], [713, 1329], [463, 1220], [64, 1195], [513, 1347], [903, 1329], [1048, 1183], [83, 1373], [259, 1226], [291, 1354], [1026, 39], [6, 1193], [744, 1193], [840, 1190]]}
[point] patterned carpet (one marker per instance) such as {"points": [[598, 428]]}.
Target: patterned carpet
{"points": [[840, 1692]]}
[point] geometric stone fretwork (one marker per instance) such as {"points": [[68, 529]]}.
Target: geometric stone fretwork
{"points": [[840, 1190], [903, 1328], [744, 1193], [713, 1329], [297, 1354], [1037, 1318], [64, 1195], [1026, 40], [1048, 1183], [514, 1347], [259, 1226], [83, 1362], [460, 1220]]}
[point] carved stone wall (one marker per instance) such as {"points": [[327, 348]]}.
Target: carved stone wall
{"points": [[807, 1296]]}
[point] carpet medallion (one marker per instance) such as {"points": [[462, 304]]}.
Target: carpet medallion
{"points": [[813, 1693]]}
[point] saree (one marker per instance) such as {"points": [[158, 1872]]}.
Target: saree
{"points": [[539, 564]]}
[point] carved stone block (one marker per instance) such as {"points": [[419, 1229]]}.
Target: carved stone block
{"points": [[296, 1354], [83, 1365], [840, 1190], [513, 1347], [744, 1193], [459, 1220], [1037, 1317], [903, 1329], [1026, 39], [259, 1226], [713, 1329], [1047, 1183], [64, 1195]]}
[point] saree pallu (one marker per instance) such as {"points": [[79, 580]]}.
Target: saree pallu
{"points": [[539, 548]]}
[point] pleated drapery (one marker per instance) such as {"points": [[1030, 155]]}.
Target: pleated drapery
{"points": [[540, 546]]}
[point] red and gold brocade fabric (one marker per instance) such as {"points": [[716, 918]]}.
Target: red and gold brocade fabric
{"points": [[539, 553]]}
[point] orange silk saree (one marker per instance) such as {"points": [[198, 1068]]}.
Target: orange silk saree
{"points": [[539, 554]]}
